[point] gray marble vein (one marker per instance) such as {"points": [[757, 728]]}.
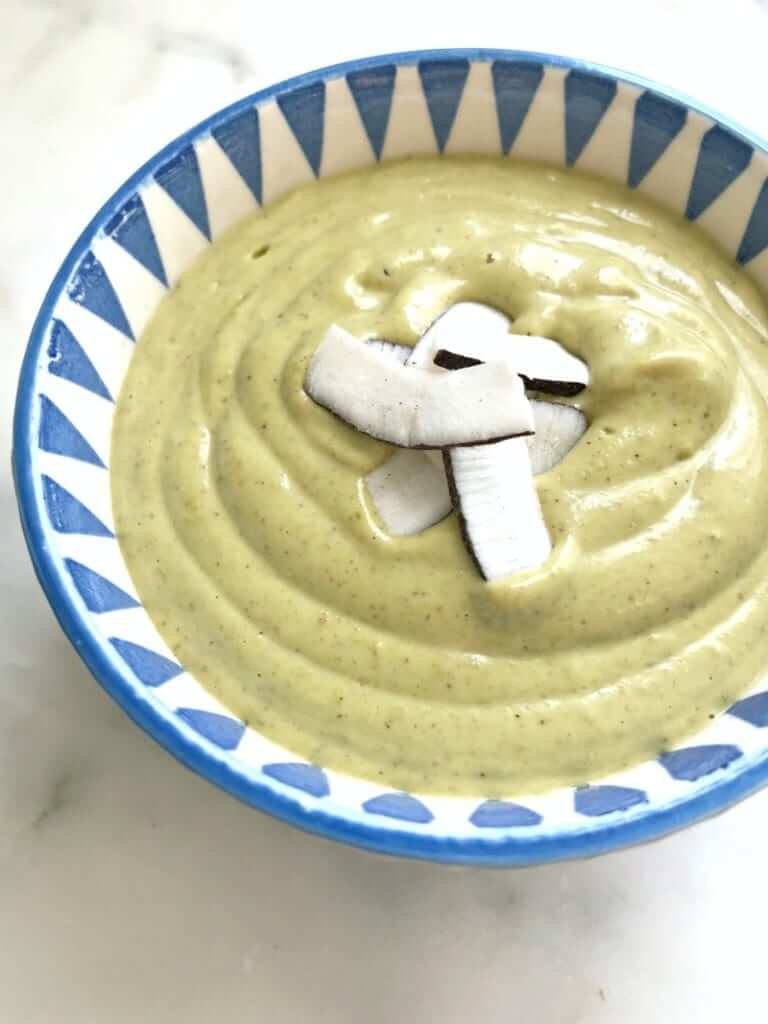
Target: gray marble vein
{"points": [[198, 45], [63, 25], [60, 796]]}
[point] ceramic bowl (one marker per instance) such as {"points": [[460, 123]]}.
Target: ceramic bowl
{"points": [[525, 105]]}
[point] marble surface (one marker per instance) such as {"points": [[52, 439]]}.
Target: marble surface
{"points": [[130, 890]]}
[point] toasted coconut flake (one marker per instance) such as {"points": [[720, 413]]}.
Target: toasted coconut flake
{"points": [[413, 408], [410, 492], [495, 496]]}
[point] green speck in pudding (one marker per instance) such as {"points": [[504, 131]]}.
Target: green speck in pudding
{"points": [[244, 520]]}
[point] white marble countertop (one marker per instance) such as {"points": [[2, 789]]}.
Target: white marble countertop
{"points": [[130, 890]]}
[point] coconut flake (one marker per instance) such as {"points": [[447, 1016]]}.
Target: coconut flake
{"points": [[495, 496], [491, 484], [410, 492], [414, 408], [558, 428], [453, 327], [543, 363]]}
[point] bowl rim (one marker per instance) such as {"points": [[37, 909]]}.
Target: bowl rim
{"points": [[508, 850]]}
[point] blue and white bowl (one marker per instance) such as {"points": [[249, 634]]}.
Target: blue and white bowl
{"points": [[521, 104]]}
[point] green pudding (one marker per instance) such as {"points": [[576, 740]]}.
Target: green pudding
{"points": [[243, 516]]}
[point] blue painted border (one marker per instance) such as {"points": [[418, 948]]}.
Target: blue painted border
{"points": [[504, 850]]}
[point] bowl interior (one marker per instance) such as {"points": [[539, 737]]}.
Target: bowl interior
{"points": [[137, 246]]}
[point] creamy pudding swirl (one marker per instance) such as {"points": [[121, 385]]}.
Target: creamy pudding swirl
{"points": [[243, 517]]}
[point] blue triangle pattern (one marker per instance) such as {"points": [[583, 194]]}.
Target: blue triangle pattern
{"points": [[180, 178], [756, 234], [222, 730], [656, 123], [372, 90], [132, 230], [91, 288], [67, 514], [151, 668], [593, 801], [515, 83], [442, 82], [240, 138], [722, 158], [587, 97], [502, 814], [58, 436], [307, 777], [69, 361], [693, 763], [304, 110], [752, 709], [400, 806], [96, 591]]}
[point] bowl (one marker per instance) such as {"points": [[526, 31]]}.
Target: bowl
{"points": [[490, 101]]}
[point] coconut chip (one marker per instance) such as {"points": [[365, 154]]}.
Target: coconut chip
{"points": [[413, 408], [495, 497]]}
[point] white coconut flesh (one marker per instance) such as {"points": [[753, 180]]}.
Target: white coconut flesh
{"points": [[410, 491], [452, 328], [414, 408], [558, 428], [543, 363], [400, 353], [495, 497]]}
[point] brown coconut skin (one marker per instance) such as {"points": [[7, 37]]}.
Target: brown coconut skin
{"points": [[565, 388]]}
